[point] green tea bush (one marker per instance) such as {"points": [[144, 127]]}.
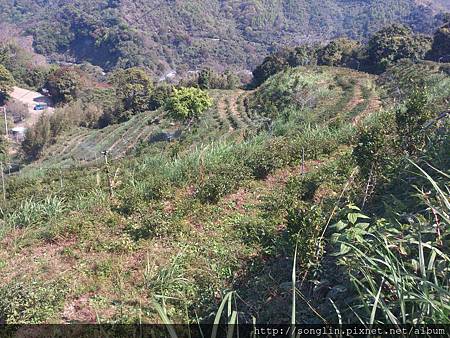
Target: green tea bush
{"points": [[304, 224], [262, 162], [224, 179], [374, 148]]}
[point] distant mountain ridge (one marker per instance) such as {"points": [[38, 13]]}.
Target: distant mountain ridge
{"points": [[188, 34]]}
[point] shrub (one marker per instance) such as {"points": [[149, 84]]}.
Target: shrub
{"points": [[262, 163], [304, 224], [37, 137], [6, 83], [160, 95], [410, 121], [224, 179], [374, 147], [188, 103]]}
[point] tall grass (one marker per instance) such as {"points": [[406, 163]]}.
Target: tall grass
{"points": [[32, 212], [401, 272]]}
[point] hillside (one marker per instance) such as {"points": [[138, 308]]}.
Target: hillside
{"points": [[185, 35], [261, 189], [315, 192], [234, 116], [209, 198]]}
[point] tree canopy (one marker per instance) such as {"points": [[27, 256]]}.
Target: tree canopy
{"points": [[6, 83], [64, 84], [133, 88], [393, 43], [440, 50], [188, 103]]}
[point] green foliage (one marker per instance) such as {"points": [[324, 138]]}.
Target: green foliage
{"points": [[188, 103], [6, 84], [339, 52], [440, 50], [304, 225], [394, 43], [37, 137], [160, 95], [204, 78], [4, 147], [129, 34], [22, 64], [133, 89], [209, 79], [271, 65], [64, 85], [264, 160], [411, 120], [399, 268], [32, 212], [224, 179], [374, 148], [30, 302]]}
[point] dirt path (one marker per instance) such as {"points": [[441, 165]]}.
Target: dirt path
{"points": [[231, 107], [234, 102], [375, 105], [357, 99], [223, 112]]}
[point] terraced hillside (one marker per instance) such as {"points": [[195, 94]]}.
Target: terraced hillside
{"points": [[83, 145], [316, 96], [259, 180], [319, 95]]}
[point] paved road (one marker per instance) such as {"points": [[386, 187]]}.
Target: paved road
{"points": [[31, 99]]}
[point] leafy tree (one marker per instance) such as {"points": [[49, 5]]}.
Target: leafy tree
{"points": [[440, 50], [394, 43], [133, 89], [303, 55], [411, 119], [64, 84], [188, 103], [232, 81], [271, 65], [204, 78], [340, 52], [37, 137], [160, 96], [6, 84]]}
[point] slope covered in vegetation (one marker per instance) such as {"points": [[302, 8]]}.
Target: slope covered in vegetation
{"points": [[181, 223]]}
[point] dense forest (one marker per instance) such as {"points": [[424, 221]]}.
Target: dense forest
{"points": [[184, 35]]}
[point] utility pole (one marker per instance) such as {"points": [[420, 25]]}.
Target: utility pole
{"points": [[61, 178], [108, 174], [3, 182], [303, 160]]}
